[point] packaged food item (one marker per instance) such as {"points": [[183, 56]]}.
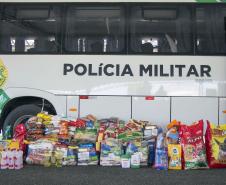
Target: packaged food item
{"points": [[172, 135], [150, 131], [216, 145], [151, 149], [63, 128], [135, 160], [125, 161], [161, 155], [91, 117], [39, 152], [71, 130], [134, 125], [44, 118], [35, 129], [63, 151], [174, 155], [11, 159], [133, 147], [193, 147], [4, 145], [4, 160], [111, 151], [87, 154], [138, 147], [129, 135], [85, 136], [72, 156], [18, 159], [143, 150], [79, 123], [19, 135]]}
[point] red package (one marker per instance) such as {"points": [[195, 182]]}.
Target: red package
{"points": [[193, 147], [216, 145], [19, 135]]}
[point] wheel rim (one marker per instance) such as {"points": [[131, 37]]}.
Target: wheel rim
{"points": [[21, 120]]}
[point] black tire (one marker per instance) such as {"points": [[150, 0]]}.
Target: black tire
{"points": [[20, 114]]}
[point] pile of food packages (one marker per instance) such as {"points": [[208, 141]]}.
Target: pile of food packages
{"points": [[50, 140]]}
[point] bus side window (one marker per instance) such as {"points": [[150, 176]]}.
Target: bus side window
{"points": [[86, 25], [23, 23], [210, 24], [169, 26]]}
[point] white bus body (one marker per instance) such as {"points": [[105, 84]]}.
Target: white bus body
{"points": [[158, 88]]}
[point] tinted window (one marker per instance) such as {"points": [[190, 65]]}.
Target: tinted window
{"points": [[161, 29], [92, 29], [30, 29], [211, 29]]}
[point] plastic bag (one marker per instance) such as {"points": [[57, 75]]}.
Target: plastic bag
{"points": [[35, 129], [19, 135], [151, 151], [39, 152], [193, 147], [216, 145], [161, 155]]}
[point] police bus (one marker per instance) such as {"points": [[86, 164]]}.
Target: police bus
{"points": [[154, 60]]}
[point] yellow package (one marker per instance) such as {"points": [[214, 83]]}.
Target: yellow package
{"points": [[216, 145], [14, 145], [174, 154]]}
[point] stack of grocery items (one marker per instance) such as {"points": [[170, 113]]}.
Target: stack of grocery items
{"points": [[57, 141], [60, 142], [11, 157], [111, 146]]}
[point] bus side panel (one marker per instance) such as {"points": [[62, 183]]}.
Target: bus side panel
{"points": [[191, 109], [153, 109], [222, 111], [72, 106], [106, 106]]}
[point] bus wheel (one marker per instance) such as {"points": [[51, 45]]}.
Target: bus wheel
{"points": [[20, 115]]}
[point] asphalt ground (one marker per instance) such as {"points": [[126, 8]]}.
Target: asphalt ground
{"points": [[97, 175]]}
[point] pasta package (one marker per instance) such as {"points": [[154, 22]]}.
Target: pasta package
{"points": [[174, 154], [216, 145], [193, 147]]}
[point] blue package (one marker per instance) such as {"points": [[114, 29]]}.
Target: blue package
{"points": [[151, 158], [161, 154], [131, 148], [90, 145], [89, 124]]}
